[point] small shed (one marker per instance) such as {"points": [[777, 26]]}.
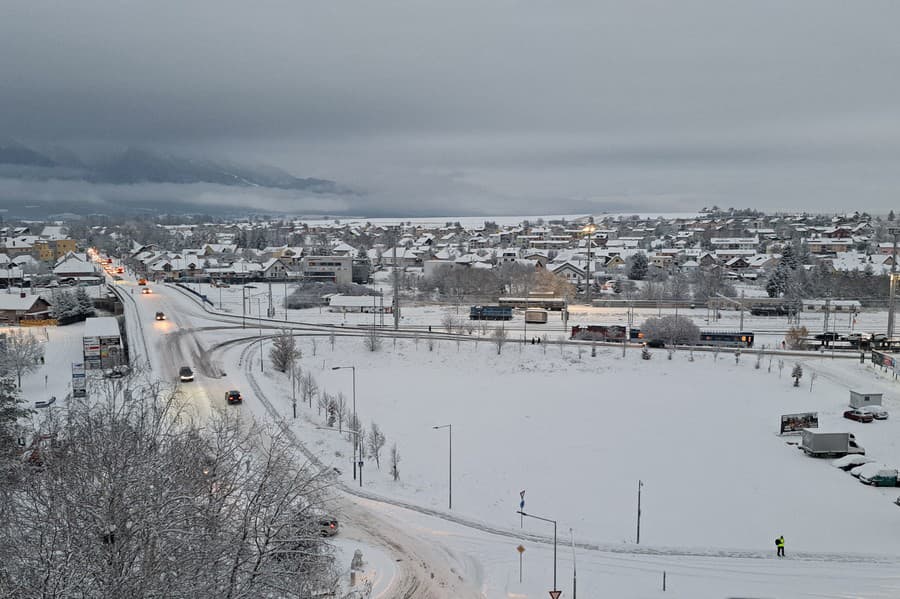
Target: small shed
{"points": [[858, 400]]}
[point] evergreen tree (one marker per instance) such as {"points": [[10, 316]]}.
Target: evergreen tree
{"points": [[83, 304], [638, 269], [64, 305], [891, 216]]}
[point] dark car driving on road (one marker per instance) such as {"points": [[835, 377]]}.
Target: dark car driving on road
{"points": [[186, 374], [233, 396]]}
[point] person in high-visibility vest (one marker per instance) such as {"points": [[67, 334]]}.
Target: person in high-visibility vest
{"points": [[779, 543]]}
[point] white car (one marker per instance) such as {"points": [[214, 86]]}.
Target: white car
{"points": [[877, 412], [849, 462]]}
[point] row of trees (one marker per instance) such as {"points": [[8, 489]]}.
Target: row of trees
{"points": [[285, 356]]}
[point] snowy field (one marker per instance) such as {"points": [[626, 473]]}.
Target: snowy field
{"points": [[578, 432]]}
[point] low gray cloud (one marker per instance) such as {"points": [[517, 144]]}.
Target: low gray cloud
{"points": [[511, 106]]}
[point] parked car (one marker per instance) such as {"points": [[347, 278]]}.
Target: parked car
{"points": [[848, 462], [160, 316], [186, 374], [878, 475], [146, 291], [858, 415], [233, 396], [877, 412], [856, 470]]}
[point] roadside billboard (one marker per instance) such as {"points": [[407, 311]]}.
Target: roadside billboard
{"points": [[79, 386], [794, 423]]}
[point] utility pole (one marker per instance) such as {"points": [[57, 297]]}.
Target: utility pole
{"points": [[894, 231], [640, 484], [742, 310], [270, 311], [589, 231], [396, 299]]}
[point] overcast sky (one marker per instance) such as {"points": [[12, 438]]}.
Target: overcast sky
{"points": [[485, 106]]}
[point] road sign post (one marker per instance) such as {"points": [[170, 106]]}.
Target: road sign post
{"points": [[521, 550]]}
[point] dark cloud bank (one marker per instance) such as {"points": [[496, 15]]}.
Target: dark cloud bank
{"points": [[424, 108]]}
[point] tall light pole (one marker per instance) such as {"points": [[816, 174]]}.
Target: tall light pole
{"points": [[588, 230], [553, 522], [355, 418], [574, 570], [449, 428], [894, 231], [640, 484]]}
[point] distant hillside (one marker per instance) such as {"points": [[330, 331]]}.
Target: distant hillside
{"points": [[135, 165]]}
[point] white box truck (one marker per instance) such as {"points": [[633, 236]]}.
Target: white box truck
{"points": [[824, 444]]}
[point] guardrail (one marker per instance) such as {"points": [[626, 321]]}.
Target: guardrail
{"points": [[202, 296]]}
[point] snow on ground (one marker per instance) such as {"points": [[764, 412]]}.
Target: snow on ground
{"points": [[578, 432], [378, 567], [62, 346]]}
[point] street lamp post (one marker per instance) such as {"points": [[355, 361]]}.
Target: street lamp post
{"points": [[574, 570], [449, 428], [355, 419], [589, 231], [553, 522]]}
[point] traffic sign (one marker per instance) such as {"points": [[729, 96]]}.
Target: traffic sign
{"points": [[520, 549], [522, 502], [555, 594]]}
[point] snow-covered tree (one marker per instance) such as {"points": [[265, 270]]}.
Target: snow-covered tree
{"points": [[21, 355], [12, 408], [85, 306], [284, 351], [672, 330], [499, 337], [797, 374], [136, 501]]}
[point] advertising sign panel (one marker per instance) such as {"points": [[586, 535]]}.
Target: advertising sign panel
{"points": [[794, 423]]}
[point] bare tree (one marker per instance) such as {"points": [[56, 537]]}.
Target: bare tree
{"points": [[324, 403], [499, 337], [375, 441], [395, 462], [284, 351], [372, 342], [308, 389], [140, 502], [448, 322], [340, 410], [315, 345], [22, 354]]}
